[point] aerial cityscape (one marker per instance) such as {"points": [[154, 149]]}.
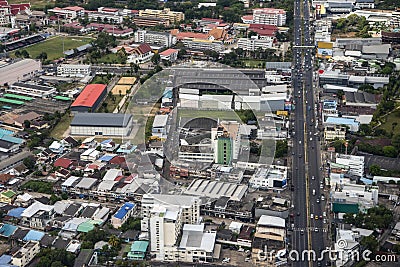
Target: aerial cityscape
{"points": [[199, 133]]}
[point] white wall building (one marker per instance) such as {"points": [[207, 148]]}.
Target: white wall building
{"points": [[269, 16], [355, 163], [29, 89], [267, 178], [334, 132], [73, 70], [366, 196], [25, 254], [252, 44], [164, 39]]}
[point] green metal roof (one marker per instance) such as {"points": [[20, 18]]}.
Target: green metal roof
{"points": [[63, 98], [20, 97], [88, 226], [8, 193], [10, 101], [345, 208], [140, 246]]}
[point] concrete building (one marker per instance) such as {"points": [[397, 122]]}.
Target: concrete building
{"points": [[160, 126], [353, 198], [367, 4], [274, 177], [106, 15], [150, 21], [106, 124], [29, 89], [355, 163], [73, 70], [25, 254], [140, 54], [122, 215], [271, 225], [169, 55], [253, 44], [351, 123], [201, 44], [164, 39], [226, 141], [18, 70], [334, 132], [269, 16], [71, 12], [166, 13]]}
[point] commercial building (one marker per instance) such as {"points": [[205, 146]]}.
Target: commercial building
{"points": [[334, 132], [73, 70], [31, 89], [216, 189], [71, 12], [166, 13], [269, 16], [164, 39], [105, 14], [150, 21], [226, 141], [274, 177], [19, 70], [122, 215], [106, 124], [169, 55], [90, 98], [350, 122], [25, 254], [353, 198], [201, 44]]}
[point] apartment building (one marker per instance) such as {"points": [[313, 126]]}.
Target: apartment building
{"points": [[164, 39], [189, 205], [269, 16], [201, 44], [122, 215], [253, 44], [73, 70], [106, 15], [150, 21], [166, 13], [25, 254], [71, 12]]}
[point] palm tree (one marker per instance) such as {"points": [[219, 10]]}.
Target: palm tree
{"points": [[113, 241]]}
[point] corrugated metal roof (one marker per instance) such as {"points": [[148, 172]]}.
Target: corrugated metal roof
{"points": [[89, 95], [101, 119]]}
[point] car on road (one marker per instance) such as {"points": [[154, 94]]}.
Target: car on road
{"points": [[322, 197], [317, 200], [302, 232], [313, 177], [316, 217], [312, 216]]}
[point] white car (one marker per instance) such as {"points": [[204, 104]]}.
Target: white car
{"points": [[226, 260], [312, 216]]}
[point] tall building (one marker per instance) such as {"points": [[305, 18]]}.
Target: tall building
{"points": [[226, 138], [166, 13], [270, 16], [157, 38]]}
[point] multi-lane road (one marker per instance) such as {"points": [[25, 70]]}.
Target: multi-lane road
{"points": [[307, 179]]}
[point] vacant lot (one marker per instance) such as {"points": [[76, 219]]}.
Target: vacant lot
{"points": [[253, 63], [54, 46], [392, 122], [36, 4], [61, 127]]}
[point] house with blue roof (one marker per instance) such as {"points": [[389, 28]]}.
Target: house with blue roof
{"points": [[7, 230], [16, 213], [34, 235], [349, 122], [126, 148], [108, 145], [5, 261], [123, 214]]}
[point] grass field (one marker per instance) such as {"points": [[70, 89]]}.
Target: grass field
{"points": [[54, 46], [252, 63], [110, 59], [387, 125], [36, 4], [110, 103], [61, 127]]}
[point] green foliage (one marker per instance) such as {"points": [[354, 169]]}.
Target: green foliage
{"points": [[369, 242], [352, 23], [54, 199], [55, 257], [131, 224], [94, 236], [376, 218], [375, 170], [30, 163], [396, 141], [390, 151], [38, 186], [281, 149], [246, 115]]}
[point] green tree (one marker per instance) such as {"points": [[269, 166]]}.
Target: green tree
{"points": [[396, 141], [155, 59], [369, 242], [27, 124], [390, 151], [375, 170]]}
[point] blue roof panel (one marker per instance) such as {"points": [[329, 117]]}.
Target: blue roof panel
{"points": [[7, 230], [121, 213], [33, 235], [5, 259], [106, 158], [17, 212]]}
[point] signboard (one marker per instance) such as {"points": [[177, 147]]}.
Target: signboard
{"points": [[282, 113], [331, 149]]}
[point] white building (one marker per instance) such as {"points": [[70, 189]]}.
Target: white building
{"points": [[201, 44], [25, 254], [169, 55], [160, 126], [71, 12], [334, 132], [252, 44], [29, 89], [122, 215], [106, 124], [355, 163], [164, 39], [271, 225], [364, 195], [274, 177], [269, 16], [73, 70], [106, 15]]}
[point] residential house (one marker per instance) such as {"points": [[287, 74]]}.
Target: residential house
{"points": [[7, 196], [122, 215], [25, 254], [140, 54], [37, 215]]}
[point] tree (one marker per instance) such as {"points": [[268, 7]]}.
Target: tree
{"points": [[396, 141], [25, 54], [42, 56], [369, 242], [155, 59], [390, 151], [114, 241], [29, 162], [375, 170]]}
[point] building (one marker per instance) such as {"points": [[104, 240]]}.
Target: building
{"points": [[349, 122], [334, 132], [140, 54], [138, 250], [164, 39], [160, 126], [353, 198], [106, 124], [169, 55], [122, 215], [269, 16], [355, 163], [253, 44], [37, 215], [201, 44], [207, 189], [31, 89], [172, 16], [226, 140], [150, 21], [7, 197], [189, 205], [16, 71], [274, 177], [73, 70], [271, 225], [367, 4], [106, 15], [25, 254], [70, 13], [90, 98]]}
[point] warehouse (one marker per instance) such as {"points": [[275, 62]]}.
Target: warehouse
{"points": [[105, 124], [22, 69], [90, 98], [30, 89]]}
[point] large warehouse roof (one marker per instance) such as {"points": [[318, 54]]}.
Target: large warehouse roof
{"points": [[89, 95], [101, 119]]}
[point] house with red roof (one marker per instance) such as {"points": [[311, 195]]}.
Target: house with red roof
{"points": [[63, 163], [90, 98], [141, 54], [169, 55], [70, 12]]}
